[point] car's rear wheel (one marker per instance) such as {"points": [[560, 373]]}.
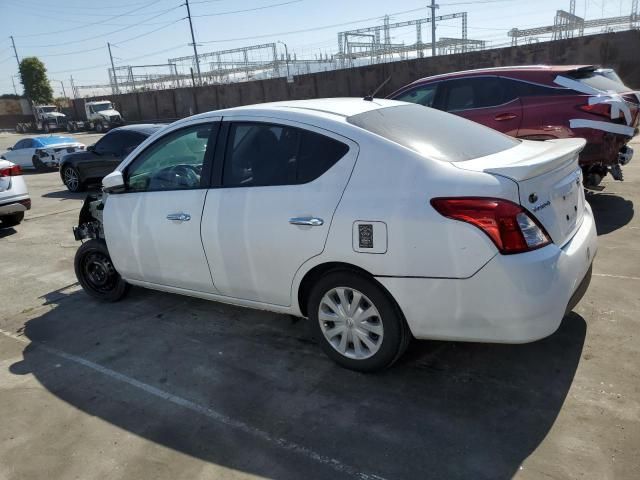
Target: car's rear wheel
{"points": [[71, 179], [356, 322], [96, 272], [12, 220]]}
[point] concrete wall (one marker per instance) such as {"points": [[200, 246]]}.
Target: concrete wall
{"points": [[616, 50]]}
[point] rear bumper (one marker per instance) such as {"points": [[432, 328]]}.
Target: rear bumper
{"points": [[512, 299], [21, 204]]}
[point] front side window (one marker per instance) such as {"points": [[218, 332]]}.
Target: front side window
{"points": [[424, 95], [174, 162], [110, 144], [468, 93], [262, 154]]}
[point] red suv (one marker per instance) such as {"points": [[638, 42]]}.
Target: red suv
{"points": [[541, 103]]}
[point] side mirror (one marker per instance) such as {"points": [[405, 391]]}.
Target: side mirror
{"points": [[114, 182], [10, 148], [91, 148]]}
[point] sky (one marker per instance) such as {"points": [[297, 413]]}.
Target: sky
{"points": [[70, 36]]}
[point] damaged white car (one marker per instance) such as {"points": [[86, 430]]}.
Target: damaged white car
{"points": [[41, 153], [375, 219]]}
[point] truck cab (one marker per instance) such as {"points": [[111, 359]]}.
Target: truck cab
{"points": [[48, 118], [102, 116]]}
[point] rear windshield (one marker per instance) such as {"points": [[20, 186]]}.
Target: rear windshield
{"points": [[432, 133], [604, 80]]}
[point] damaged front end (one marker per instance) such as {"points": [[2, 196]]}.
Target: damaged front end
{"points": [[90, 219]]}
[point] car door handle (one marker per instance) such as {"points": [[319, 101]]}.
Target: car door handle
{"points": [[180, 217], [505, 116], [311, 221]]}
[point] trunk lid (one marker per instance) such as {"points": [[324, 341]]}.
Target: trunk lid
{"points": [[549, 181]]}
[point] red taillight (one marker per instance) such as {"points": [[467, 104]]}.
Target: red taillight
{"points": [[602, 109], [507, 224], [12, 171]]}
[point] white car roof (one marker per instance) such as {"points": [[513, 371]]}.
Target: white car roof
{"points": [[340, 107]]}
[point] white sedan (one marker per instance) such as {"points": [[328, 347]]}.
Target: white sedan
{"points": [[41, 152], [378, 220], [14, 196]]}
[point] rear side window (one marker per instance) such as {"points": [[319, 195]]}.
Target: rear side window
{"points": [[263, 154], [424, 95], [468, 93], [432, 133], [526, 89]]}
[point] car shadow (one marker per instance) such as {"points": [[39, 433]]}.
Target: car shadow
{"points": [[66, 195], [454, 410], [611, 211], [6, 231]]}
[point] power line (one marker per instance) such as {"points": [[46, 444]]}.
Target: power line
{"points": [[102, 34], [264, 7], [89, 24], [312, 29]]}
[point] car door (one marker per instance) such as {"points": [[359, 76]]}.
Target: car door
{"points": [[152, 228], [278, 186], [486, 100], [21, 153], [108, 154]]}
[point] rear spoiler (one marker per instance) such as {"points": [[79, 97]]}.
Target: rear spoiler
{"points": [[581, 72], [533, 159]]}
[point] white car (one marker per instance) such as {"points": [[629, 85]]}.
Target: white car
{"points": [[41, 152], [14, 196], [378, 220]]}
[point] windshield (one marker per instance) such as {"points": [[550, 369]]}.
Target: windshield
{"points": [[432, 133], [48, 109], [101, 107]]}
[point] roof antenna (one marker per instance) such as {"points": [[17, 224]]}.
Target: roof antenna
{"points": [[369, 98]]}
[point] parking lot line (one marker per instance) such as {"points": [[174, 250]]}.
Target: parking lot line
{"points": [[608, 275], [200, 409]]}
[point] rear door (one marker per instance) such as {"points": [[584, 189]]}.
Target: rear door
{"points": [[484, 100], [153, 228], [278, 186]]}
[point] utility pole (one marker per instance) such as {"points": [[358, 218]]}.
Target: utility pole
{"points": [[63, 92], [73, 88], [14, 85], [15, 52], [286, 56], [113, 72], [433, 7], [193, 39]]}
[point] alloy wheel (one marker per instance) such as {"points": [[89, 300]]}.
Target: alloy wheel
{"points": [[350, 322], [71, 179]]}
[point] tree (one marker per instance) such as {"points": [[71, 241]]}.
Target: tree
{"points": [[34, 79]]}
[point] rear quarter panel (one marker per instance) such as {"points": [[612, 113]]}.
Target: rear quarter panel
{"points": [[393, 185]]}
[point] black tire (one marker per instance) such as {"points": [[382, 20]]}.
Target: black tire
{"points": [[38, 165], [68, 174], [395, 333], [96, 273], [18, 128], [99, 127], [12, 220], [46, 128]]}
